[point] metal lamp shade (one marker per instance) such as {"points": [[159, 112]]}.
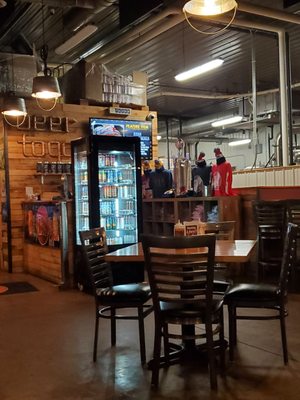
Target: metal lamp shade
{"points": [[14, 106], [45, 87], [208, 7]]}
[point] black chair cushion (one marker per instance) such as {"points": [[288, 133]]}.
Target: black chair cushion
{"points": [[251, 292], [131, 292], [221, 286], [174, 311]]}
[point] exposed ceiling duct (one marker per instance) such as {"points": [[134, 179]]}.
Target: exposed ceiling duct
{"points": [[137, 35], [66, 3], [268, 12], [172, 16], [79, 16]]}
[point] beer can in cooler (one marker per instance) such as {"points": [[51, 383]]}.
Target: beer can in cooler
{"points": [[46, 167], [115, 178], [101, 160], [120, 176], [39, 167], [85, 208], [68, 166], [110, 176], [59, 167]]}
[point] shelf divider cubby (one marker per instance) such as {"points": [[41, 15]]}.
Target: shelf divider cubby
{"points": [[164, 213]]}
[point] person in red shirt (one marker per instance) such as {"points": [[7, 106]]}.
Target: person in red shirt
{"points": [[221, 175]]}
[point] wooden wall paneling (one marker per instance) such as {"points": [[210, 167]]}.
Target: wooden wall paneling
{"points": [[45, 263], [22, 167]]}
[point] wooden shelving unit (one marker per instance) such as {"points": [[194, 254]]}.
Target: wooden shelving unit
{"points": [[160, 215]]}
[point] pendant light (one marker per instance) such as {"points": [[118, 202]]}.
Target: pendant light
{"points": [[45, 87], [13, 107], [209, 7], [206, 8]]}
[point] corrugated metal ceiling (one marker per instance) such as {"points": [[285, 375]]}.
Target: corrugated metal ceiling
{"points": [[161, 57]]}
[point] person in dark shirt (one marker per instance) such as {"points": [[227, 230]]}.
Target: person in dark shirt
{"points": [[201, 175], [146, 190], [160, 180]]}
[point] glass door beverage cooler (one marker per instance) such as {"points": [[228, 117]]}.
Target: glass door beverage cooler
{"points": [[107, 187]]}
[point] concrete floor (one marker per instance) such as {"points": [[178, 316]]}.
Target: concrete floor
{"points": [[46, 353]]}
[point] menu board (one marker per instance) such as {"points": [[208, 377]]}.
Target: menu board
{"points": [[127, 128]]}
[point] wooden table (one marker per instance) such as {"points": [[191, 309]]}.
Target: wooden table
{"points": [[227, 251]]}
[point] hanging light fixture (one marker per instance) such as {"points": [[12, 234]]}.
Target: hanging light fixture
{"points": [[13, 107], [207, 8], [45, 87]]}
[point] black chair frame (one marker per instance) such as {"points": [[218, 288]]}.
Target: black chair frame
{"points": [[110, 298], [182, 291], [270, 217], [263, 296]]}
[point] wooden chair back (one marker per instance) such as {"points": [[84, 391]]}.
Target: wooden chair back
{"points": [[293, 211], [270, 213], [94, 247], [289, 257], [180, 270]]}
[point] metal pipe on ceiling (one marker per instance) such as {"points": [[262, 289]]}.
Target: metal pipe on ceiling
{"points": [[212, 95], [136, 36], [282, 71], [170, 23], [176, 19], [80, 16], [67, 3], [268, 12], [139, 30], [254, 97], [216, 96]]}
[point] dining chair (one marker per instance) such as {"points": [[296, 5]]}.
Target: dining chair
{"points": [[181, 275], [110, 298], [263, 296], [293, 215], [270, 217]]}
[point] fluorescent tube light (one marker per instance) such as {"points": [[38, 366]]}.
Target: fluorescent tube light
{"points": [[79, 37], [227, 121], [201, 69], [239, 142]]}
